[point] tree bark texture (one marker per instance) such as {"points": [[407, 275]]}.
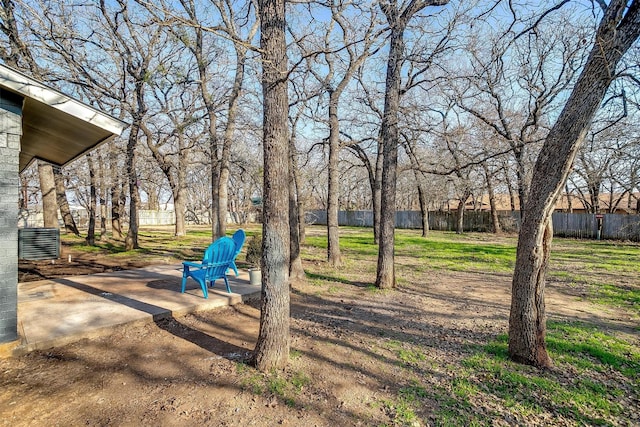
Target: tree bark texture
{"points": [[180, 196], [521, 178], [225, 157], [131, 241], [102, 197], [213, 132], [398, 20], [385, 276], [116, 192], [619, 28], [63, 203], [295, 174], [333, 196], [272, 347], [296, 271], [48, 190], [376, 190], [424, 206]]}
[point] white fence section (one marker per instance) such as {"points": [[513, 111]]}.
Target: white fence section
{"points": [[149, 217]]}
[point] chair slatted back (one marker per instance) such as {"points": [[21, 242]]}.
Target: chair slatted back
{"points": [[239, 237], [218, 257]]}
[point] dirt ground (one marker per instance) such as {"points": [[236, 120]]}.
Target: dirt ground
{"points": [[344, 368]]}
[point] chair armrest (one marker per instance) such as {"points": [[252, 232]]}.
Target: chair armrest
{"points": [[193, 264]]}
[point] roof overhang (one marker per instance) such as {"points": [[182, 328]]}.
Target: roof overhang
{"points": [[55, 127]]}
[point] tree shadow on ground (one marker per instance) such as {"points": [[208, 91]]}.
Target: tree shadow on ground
{"points": [[328, 278]]}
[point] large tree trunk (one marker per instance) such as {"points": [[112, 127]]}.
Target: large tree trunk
{"points": [[397, 20], [385, 276], [333, 205], [131, 241], [63, 203], [48, 190], [616, 33], [272, 348]]}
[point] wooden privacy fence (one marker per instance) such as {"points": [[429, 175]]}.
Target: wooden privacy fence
{"points": [[577, 225]]}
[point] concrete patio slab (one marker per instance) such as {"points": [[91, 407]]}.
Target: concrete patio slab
{"points": [[59, 311]]}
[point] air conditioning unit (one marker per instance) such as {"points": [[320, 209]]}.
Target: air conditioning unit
{"points": [[38, 243]]}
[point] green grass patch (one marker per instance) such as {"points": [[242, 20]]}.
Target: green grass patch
{"points": [[597, 256], [283, 386], [439, 250], [586, 397], [586, 347], [617, 296]]}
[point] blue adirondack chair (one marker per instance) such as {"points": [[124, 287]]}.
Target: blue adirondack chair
{"points": [[217, 259], [238, 237]]}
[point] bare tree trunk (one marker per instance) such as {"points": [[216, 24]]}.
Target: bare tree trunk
{"points": [[333, 204], [175, 175], [302, 222], [512, 198], [376, 189], [234, 97], [116, 188], [495, 220], [103, 214], [215, 186], [91, 232], [397, 20], [569, 199], [179, 197], [594, 194], [63, 203], [102, 196], [618, 30], [385, 276], [272, 347], [460, 214], [296, 271], [424, 207], [521, 179], [223, 187], [48, 190], [131, 241], [210, 106], [300, 210]]}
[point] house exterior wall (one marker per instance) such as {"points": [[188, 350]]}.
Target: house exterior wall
{"points": [[10, 134]]}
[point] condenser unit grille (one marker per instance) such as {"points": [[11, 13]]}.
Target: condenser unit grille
{"points": [[38, 243]]}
